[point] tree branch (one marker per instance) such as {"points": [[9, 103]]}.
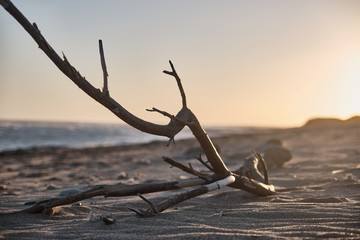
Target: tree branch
{"points": [[172, 117], [114, 191], [103, 66], [169, 130], [187, 169], [158, 208], [184, 117], [204, 163], [178, 80]]}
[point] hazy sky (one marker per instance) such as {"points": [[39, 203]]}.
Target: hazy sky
{"points": [[258, 63]]}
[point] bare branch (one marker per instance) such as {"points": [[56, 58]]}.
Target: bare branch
{"points": [[152, 206], [253, 183], [172, 117], [175, 75], [210, 151], [169, 130], [204, 163], [114, 191], [184, 168], [183, 197], [154, 187], [103, 66], [171, 140]]}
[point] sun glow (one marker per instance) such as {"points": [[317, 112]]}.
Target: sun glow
{"points": [[349, 88], [252, 62]]}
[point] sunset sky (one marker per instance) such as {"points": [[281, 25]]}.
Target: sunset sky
{"points": [[247, 63]]}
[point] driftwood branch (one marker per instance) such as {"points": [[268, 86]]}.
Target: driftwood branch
{"points": [[189, 170], [204, 163], [169, 130], [158, 208], [113, 191], [166, 114], [249, 180], [103, 66], [178, 80]]}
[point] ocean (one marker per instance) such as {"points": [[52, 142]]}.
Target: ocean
{"points": [[15, 135]]}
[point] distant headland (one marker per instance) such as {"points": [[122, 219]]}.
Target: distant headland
{"points": [[326, 122]]}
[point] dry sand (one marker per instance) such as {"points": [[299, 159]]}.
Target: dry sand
{"points": [[319, 190]]}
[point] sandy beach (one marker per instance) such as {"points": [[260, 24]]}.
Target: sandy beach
{"points": [[247, 63], [317, 190]]}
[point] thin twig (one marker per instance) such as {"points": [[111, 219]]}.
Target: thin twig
{"points": [[178, 80], [153, 207], [186, 169], [103, 66], [166, 114], [204, 163], [171, 140]]}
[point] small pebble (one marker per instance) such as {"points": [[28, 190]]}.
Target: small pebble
{"points": [[108, 220], [103, 164], [144, 161], [349, 177], [123, 175], [72, 175], [53, 211], [50, 187]]}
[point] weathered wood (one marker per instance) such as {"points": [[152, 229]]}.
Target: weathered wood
{"points": [[169, 130], [178, 198], [113, 191], [103, 66], [185, 117], [186, 169]]}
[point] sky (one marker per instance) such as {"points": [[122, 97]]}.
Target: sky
{"points": [[242, 63]]}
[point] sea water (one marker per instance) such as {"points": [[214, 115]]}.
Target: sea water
{"points": [[28, 134]]}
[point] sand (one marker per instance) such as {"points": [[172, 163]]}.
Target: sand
{"points": [[318, 190]]}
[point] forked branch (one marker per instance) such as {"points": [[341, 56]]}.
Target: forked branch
{"points": [[169, 130], [178, 80], [251, 180]]}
